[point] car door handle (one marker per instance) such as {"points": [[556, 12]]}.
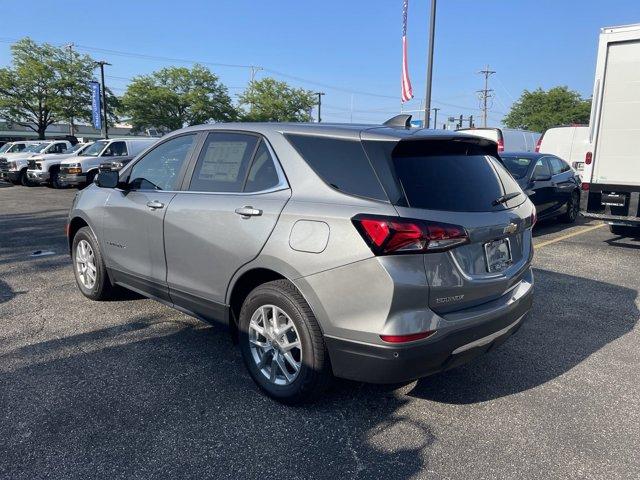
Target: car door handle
{"points": [[154, 204], [247, 211]]}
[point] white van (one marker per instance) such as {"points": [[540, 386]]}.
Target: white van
{"points": [[614, 134], [570, 143], [508, 139]]}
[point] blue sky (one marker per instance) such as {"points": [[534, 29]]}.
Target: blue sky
{"points": [[348, 49]]}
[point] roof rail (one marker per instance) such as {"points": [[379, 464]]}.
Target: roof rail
{"points": [[401, 121]]}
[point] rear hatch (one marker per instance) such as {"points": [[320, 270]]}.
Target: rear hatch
{"points": [[461, 182]]}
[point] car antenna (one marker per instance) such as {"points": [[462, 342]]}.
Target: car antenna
{"points": [[400, 121]]}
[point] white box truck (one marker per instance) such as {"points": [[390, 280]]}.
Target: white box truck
{"points": [[613, 161]]}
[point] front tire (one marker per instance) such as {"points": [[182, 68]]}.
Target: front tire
{"points": [[88, 266], [24, 179], [54, 181], [282, 345]]}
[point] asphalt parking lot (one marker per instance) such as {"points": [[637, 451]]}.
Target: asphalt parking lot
{"points": [[133, 389]]}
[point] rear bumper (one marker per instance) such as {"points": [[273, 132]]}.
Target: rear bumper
{"points": [[38, 176], [71, 180], [449, 347], [627, 213]]}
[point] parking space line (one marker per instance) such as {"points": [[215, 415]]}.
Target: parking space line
{"points": [[569, 235]]}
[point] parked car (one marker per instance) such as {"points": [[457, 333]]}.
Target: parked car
{"points": [[44, 168], [508, 139], [80, 170], [380, 254], [14, 164], [551, 184], [612, 169], [570, 143]]}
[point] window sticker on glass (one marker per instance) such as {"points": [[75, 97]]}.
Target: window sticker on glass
{"points": [[222, 161]]}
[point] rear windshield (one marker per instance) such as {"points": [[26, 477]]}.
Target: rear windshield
{"points": [[518, 166], [453, 176]]}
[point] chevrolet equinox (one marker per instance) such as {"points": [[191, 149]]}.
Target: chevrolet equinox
{"points": [[375, 253]]}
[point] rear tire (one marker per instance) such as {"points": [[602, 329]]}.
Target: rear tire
{"points": [[88, 266], [264, 352], [625, 231], [573, 207]]}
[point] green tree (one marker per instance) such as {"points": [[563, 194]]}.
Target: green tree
{"points": [[539, 110], [175, 97], [269, 100], [30, 90], [47, 84]]}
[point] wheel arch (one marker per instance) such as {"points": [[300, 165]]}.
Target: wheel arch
{"points": [[251, 276]]}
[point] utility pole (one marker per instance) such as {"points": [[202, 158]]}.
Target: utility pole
{"points": [[485, 93], [254, 71], [435, 117], [432, 34], [105, 128], [320, 94], [69, 47]]}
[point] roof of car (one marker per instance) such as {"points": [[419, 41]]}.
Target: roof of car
{"points": [[344, 130], [525, 154]]}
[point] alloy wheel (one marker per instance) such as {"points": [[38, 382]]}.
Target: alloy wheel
{"points": [[86, 264], [275, 345]]}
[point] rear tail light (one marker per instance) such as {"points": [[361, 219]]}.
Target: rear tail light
{"points": [[407, 338], [393, 235], [588, 158], [585, 186], [538, 143], [501, 145]]}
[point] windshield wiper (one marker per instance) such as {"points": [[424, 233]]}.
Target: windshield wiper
{"points": [[505, 198]]}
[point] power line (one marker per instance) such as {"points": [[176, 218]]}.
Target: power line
{"points": [[253, 70]]}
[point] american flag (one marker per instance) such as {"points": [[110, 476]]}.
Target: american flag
{"points": [[407, 91]]}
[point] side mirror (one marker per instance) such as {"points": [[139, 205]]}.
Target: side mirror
{"points": [[107, 179]]}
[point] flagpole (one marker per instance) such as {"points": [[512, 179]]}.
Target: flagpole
{"points": [[432, 32]]}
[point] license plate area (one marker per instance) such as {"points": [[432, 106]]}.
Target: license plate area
{"points": [[613, 199], [497, 255]]}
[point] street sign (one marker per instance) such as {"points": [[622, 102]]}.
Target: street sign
{"points": [[95, 105], [416, 123]]}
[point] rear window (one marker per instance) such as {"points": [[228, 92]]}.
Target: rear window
{"points": [[518, 166], [452, 176], [341, 163]]}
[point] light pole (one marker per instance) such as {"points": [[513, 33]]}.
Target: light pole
{"points": [[432, 32], [105, 128], [320, 94], [435, 117]]}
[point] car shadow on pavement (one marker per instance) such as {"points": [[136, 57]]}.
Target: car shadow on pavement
{"points": [[157, 398], [553, 225], [558, 335]]}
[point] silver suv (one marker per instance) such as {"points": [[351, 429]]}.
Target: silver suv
{"points": [[374, 253]]}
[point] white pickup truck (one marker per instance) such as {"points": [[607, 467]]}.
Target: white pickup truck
{"points": [[44, 168], [612, 164], [13, 165], [80, 170]]}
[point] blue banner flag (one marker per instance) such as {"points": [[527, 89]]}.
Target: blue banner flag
{"points": [[95, 105]]}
